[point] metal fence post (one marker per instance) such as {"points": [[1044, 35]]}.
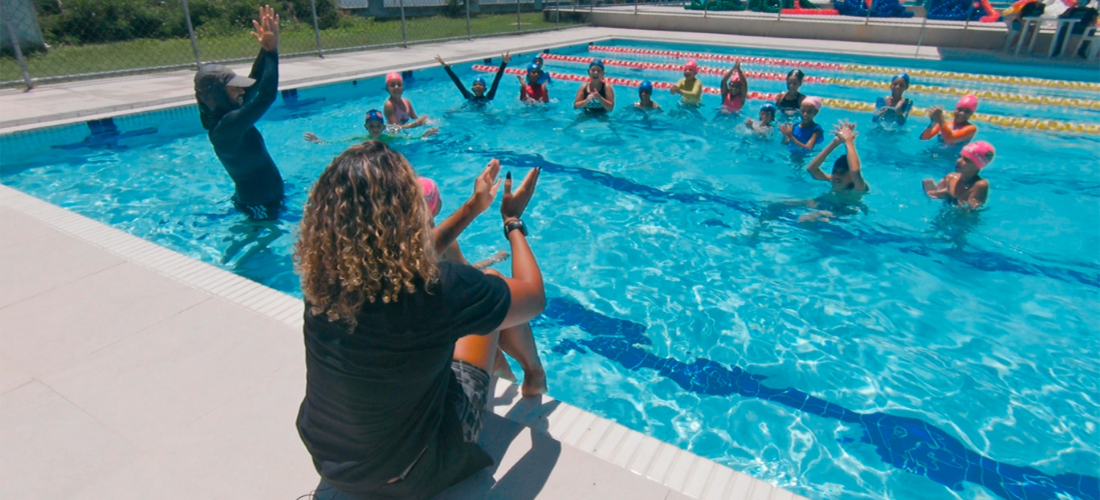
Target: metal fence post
{"points": [[316, 30], [969, 14], [869, 8], [519, 20], [19, 54], [921, 39], [635, 7], [191, 33], [469, 34], [404, 34], [557, 14]]}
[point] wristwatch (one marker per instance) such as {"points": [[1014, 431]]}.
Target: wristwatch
{"points": [[513, 224]]}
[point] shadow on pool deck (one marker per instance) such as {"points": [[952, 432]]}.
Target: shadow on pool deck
{"points": [[523, 478]]}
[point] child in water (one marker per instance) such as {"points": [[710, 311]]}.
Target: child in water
{"points": [[766, 122], [965, 187], [958, 131], [478, 95], [398, 110], [848, 185], [846, 177], [894, 109], [645, 92], [530, 90], [544, 77], [804, 136], [735, 88], [596, 95], [790, 102], [376, 130], [689, 87]]}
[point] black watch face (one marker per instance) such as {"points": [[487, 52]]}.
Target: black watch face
{"points": [[518, 224]]}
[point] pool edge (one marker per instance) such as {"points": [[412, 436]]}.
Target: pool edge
{"points": [[678, 469]]}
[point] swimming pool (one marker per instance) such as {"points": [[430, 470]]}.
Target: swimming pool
{"points": [[926, 340]]}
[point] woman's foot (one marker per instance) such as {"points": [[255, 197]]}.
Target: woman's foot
{"points": [[534, 383]]}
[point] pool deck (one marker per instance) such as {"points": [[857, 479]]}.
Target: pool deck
{"points": [[128, 370]]}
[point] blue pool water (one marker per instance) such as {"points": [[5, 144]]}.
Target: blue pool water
{"points": [[906, 352]]}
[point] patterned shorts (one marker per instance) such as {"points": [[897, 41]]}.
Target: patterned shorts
{"points": [[469, 397]]}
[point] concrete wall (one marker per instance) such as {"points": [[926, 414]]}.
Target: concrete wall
{"points": [[934, 36], [21, 17]]}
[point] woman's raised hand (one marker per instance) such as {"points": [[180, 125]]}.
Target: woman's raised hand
{"points": [[440, 60], [486, 186], [507, 58], [513, 204], [267, 29]]}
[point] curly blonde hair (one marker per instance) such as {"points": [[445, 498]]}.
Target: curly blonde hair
{"points": [[365, 233]]}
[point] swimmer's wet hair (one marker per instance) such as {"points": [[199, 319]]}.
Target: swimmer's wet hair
{"points": [[797, 73], [365, 234]]}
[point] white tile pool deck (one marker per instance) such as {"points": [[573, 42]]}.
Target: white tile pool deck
{"points": [[130, 371]]}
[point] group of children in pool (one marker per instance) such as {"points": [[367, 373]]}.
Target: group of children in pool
{"points": [[795, 112]]}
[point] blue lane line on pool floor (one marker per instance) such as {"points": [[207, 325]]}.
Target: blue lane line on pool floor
{"points": [[906, 443], [982, 260]]}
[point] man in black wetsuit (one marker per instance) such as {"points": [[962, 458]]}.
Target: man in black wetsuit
{"points": [[478, 96], [230, 105]]}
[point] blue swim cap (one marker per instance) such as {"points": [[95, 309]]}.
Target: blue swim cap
{"points": [[597, 62], [538, 58], [769, 108], [903, 76], [479, 80], [533, 67], [375, 115], [646, 86]]}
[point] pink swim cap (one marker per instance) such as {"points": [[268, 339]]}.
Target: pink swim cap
{"points": [[431, 193], [969, 101], [980, 153], [692, 65], [393, 76], [814, 101]]}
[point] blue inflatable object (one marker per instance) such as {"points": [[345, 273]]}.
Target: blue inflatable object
{"points": [[880, 8], [954, 10]]}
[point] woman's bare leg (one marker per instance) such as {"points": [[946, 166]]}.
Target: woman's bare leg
{"points": [[519, 343], [478, 350], [502, 369]]}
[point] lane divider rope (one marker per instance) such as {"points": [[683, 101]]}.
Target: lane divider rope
{"points": [[1004, 121], [863, 68], [1068, 102]]}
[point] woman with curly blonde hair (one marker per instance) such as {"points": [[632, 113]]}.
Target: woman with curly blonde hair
{"points": [[399, 345]]}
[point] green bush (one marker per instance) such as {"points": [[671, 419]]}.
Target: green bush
{"points": [[77, 22]]}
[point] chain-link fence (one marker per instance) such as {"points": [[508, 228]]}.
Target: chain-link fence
{"points": [[52, 40]]}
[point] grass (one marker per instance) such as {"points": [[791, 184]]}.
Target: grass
{"points": [[353, 32]]}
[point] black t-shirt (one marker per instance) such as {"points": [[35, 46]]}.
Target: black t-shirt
{"points": [[375, 397]]}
